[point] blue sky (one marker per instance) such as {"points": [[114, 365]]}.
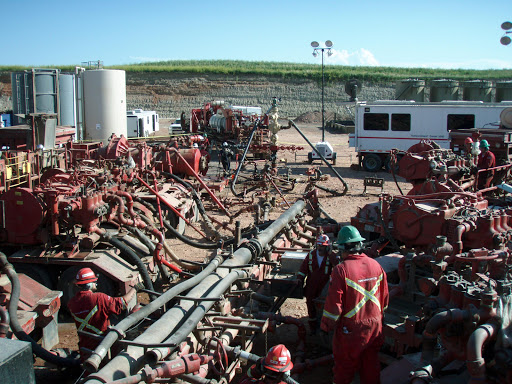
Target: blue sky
{"points": [[413, 33]]}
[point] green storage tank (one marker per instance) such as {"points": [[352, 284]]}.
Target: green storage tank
{"points": [[503, 91], [444, 89], [410, 89], [477, 90]]}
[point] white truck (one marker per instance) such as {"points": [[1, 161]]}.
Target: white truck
{"points": [[141, 123], [381, 126]]}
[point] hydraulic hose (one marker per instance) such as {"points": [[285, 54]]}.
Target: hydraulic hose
{"points": [[131, 256], [17, 329], [133, 358], [93, 362], [148, 243], [241, 163], [195, 196]]}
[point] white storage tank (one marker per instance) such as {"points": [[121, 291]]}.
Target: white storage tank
{"points": [[104, 104]]}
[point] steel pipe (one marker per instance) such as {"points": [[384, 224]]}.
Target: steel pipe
{"points": [[180, 319]]}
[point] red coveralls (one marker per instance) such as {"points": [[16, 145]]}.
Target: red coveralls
{"points": [[91, 311], [357, 298], [485, 160], [317, 276]]}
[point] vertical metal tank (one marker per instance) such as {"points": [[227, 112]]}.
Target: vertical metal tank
{"points": [[503, 91], [104, 100], [444, 89], [410, 89], [477, 90], [46, 91], [67, 103], [34, 92]]}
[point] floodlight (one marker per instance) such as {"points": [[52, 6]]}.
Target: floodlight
{"points": [[506, 25], [328, 43], [314, 44], [315, 54], [329, 53], [505, 40]]}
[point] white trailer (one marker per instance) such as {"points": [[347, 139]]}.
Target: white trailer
{"points": [[141, 123], [381, 126]]}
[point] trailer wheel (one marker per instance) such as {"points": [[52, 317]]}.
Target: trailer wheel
{"points": [[372, 162]]}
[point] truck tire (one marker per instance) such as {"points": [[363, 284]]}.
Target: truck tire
{"points": [[372, 162]]}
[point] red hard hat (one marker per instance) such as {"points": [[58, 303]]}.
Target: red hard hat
{"points": [[85, 276], [323, 240], [278, 359], [468, 140]]}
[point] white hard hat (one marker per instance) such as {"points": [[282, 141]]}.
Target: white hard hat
{"points": [[40, 146], [225, 144], [195, 145]]}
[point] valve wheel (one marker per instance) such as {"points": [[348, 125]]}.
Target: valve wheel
{"points": [[220, 361]]}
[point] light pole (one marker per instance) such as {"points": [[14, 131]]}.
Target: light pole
{"points": [[506, 26], [316, 49]]}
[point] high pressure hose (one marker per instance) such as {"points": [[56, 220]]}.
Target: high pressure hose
{"points": [[241, 163], [130, 255], [17, 329], [92, 364], [195, 196]]}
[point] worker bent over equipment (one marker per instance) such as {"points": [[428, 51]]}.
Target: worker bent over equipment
{"points": [[272, 369], [91, 310]]}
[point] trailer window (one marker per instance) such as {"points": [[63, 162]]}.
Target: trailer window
{"points": [[455, 122], [376, 122], [400, 122]]}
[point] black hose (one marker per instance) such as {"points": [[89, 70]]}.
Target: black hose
{"points": [[195, 196], [148, 243], [39, 351], [241, 163], [132, 258], [111, 337]]}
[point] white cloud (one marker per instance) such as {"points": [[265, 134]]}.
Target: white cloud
{"points": [[360, 57]]}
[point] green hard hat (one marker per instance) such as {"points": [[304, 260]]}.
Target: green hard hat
{"points": [[484, 144], [349, 234]]}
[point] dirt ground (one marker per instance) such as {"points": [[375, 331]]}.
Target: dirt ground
{"points": [[339, 208]]}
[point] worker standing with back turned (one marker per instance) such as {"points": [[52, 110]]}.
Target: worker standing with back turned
{"points": [[354, 308], [316, 270]]}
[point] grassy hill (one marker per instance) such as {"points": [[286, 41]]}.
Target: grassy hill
{"points": [[332, 73]]}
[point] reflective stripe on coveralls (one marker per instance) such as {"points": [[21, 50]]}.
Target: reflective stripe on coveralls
{"points": [[310, 263], [84, 323], [368, 295]]}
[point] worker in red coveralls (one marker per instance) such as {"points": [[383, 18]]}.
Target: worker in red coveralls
{"points": [[273, 369], [354, 308], [316, 270], [486, 160], [91, 310]]}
